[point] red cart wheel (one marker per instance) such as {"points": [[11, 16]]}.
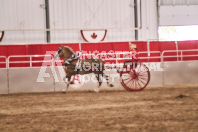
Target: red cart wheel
{"points": [[135, 79]]}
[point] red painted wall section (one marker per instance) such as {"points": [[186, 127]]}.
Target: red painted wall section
{"points": [[14, 50], [121, 46], [90, 47], [188, 45], [168, 45], [3, 52], [153, 47], [40, 49], [115, 46]]}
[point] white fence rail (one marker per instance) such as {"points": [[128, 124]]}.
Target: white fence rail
{"points": [[126, 56], [148, 53], [30, 61], [4, 61], [177, 54]]}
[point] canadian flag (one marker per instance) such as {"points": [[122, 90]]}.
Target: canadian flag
{"points": [[93, 35]]}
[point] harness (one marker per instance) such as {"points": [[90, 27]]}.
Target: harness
{"points": [[73, 57]]}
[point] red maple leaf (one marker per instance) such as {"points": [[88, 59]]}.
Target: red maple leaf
{"points": [[94, 36]]}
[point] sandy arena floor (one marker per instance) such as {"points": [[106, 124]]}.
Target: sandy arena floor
{"points": [[153, 109]]}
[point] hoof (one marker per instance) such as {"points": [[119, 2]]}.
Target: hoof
{"points": [[96, 90], [63, 92], [111, 85], [71, 82]]}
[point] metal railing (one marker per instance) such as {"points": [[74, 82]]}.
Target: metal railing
{"points": [[4, 62], [30, 61], [177, 54], [126, 56], [149, 55]]}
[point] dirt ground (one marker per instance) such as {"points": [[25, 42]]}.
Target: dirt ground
{"points": [[153, 109]]}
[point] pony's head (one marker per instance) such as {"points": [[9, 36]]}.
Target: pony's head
{"points": [[64, 52]]}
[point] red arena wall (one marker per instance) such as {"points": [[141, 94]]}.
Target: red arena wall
{"points": [[142, 46]]}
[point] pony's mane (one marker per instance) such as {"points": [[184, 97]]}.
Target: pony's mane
{"points": [[69, 49]]}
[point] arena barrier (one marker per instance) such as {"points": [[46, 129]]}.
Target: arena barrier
{"points": [[180, 73], [17, 80], [3, 81], [3, 75], [25, 79], [156, 77]]}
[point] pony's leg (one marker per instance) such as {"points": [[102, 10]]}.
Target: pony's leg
{"points": [[107, 78], [99, 83], [67, 84]]}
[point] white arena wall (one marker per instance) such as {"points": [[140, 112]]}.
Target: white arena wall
{"points": [[3, 81], [180, 73], [21, 19], [24, 80], [24, 21]]}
